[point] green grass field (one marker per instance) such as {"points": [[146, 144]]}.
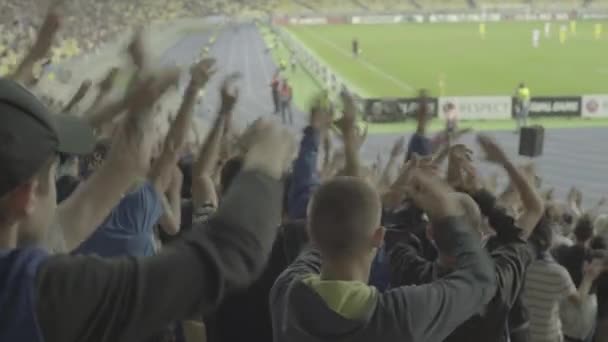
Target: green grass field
{"points": [[398, 59]]}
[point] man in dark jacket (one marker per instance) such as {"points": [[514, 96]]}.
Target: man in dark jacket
{"points": [[508, 249], [330, 300]]}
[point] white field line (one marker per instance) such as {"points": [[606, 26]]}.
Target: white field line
{"points": [[369, 66], [313, 53]]}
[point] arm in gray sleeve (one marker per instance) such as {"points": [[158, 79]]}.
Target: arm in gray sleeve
{"points": [[128, 299], [431, 312]]}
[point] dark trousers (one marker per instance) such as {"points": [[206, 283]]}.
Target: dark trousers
{"points": [[286, 112], [275, 101]]}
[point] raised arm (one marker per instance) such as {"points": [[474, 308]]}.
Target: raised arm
{"points": [[127, 299], [350, 137], [78, 96], [305, 173], [430, 312], [160, 175], [128, 160], [172, 203], [203, 187], [397, 151], [532, 202], [24, 72]]}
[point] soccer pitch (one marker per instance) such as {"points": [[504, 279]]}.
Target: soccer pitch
{"points": [[398, 59]]}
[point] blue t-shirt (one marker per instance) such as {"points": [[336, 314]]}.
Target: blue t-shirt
{"points": [[18, 269], [128, 230], [419, 144]]}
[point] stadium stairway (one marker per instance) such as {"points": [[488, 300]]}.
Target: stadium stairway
{"points": [[305, 5], [361, 5]]}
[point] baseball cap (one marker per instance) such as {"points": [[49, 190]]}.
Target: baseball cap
{"points": [[30, 135]]}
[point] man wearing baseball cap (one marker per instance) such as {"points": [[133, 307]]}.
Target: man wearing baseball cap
{"points": [[72, 299]]}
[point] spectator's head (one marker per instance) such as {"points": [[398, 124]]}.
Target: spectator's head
{"points": [[583, 230], [600, 226], [94, 160], [472, 214], [229, 172], [30, 141], [542, 236], [344, 219]]}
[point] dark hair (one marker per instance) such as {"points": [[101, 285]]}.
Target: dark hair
{"points": [[92, 161], [542, 236], [598, 243], [65, 187], [229, 172], [584, 229]]}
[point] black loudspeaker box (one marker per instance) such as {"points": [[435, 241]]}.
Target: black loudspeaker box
{"points": [[531, 141]]}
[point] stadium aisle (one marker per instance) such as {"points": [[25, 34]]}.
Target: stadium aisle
{"points": [[570, 155]]}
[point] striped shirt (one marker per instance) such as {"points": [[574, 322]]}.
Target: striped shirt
{"points": [[547, 284]]}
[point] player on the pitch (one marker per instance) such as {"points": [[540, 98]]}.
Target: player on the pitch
{"points": [[598, 31], [355, 48], [563, 34], [482, 30], [573, 27], [547, 29], [535, 38]]}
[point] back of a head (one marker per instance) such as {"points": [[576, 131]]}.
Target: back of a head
{"points": [[584, 229], [343, 214], [600, 226], [542, 235]]}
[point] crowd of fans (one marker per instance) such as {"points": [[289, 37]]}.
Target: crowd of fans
{"points": [[89, 24], [116, 226]]}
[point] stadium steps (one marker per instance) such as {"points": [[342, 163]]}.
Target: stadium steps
{"points": [[415, 4], [305, 5], [361, 5]]}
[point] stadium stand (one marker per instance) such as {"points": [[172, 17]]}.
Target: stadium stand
{"points": [[124, 220]]}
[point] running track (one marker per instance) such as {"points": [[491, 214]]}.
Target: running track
{"points": [[571, 156]]}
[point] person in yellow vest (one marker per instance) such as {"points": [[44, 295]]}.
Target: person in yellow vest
{"points": [[573, 27], [563, 34], [598, 31], [482, 31], [522, 106]]}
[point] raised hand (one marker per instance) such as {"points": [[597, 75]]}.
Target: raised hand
{"points": [[202, 71], [136, 49], [493, 152], [134, 144], [432, 195], [471, 182], [229, 94], [461, 152], [272, 148]]}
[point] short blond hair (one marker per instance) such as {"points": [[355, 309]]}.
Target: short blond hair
{"points": [[600, 226]]}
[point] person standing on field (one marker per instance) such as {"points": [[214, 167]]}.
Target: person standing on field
{"points": [[535, 38], [355, 47], [522, 96]]}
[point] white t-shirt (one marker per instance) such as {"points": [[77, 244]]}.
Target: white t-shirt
{"points": [[547, 284]]}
